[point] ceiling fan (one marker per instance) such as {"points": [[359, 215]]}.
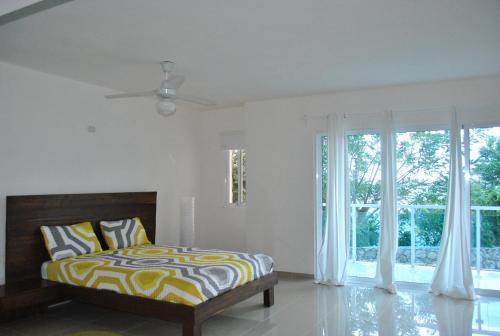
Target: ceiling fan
{"points": [[167, 93]]}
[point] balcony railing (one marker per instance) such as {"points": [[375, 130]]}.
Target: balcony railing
{"points": [[412, 209]]}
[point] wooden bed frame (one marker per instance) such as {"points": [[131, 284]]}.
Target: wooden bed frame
{"points": [[25, 253]]}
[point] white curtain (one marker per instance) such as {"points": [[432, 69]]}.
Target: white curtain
{"points": [[388, 242], [332, 256], [453, 274]]}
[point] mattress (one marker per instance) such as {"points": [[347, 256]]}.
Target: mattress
{"points": [[175, 274]]}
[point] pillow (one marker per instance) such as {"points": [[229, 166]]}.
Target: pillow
{"points": [[70, 240], [124, 233]]}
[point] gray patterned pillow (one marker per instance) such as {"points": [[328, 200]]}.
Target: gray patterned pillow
{"points": [[70, 240], [124, 233]]}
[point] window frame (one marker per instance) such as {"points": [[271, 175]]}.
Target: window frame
{"points": [[466, 127], [352, 224], [407, 127], [228, 203], [318, 197]]}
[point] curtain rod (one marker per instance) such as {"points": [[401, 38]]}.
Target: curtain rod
{"points": [[378, 113], [344, 115], [428, 109]]}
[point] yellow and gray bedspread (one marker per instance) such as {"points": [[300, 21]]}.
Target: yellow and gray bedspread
{"points": [[182, 275]]}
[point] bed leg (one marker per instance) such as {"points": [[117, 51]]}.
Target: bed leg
{"points": [[269, 297], [191, 329]]}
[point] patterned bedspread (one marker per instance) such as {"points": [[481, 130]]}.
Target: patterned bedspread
{"points": [[175, 274]]}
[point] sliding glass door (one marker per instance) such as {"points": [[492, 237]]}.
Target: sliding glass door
{"points": [[422, 189], [482, 157]]}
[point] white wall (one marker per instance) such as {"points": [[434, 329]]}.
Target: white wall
{"points": [[217, 226], [45, 146], [280, 149]]}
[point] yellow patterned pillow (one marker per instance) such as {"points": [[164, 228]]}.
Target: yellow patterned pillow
{"points": [[124, 233], [70, 240]]}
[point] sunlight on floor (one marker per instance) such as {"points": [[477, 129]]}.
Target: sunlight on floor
{"points": [[421, 274]]}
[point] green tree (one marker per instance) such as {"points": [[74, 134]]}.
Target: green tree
{"points": [[422, 167], [485, 188], [486, 174], [422, 178]]}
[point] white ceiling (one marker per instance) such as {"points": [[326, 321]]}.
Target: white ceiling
{"points": [[234, 51]]}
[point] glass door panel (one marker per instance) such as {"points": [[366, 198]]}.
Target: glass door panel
{"points": [[364, 186], [422, 186], [484, 151]]}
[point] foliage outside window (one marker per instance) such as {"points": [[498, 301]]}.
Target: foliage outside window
{"points": [[364, 187], [237, 177], [423, 168], [484, 145]]}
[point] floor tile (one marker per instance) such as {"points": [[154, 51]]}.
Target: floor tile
{"points": [[230, 325], [118, 321], [155, 327]]}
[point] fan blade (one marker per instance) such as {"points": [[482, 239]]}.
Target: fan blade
{"points": [[175, 81], [132, 94], [196, 100]]}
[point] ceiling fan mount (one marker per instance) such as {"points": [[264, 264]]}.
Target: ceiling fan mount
{"points": [[167, 92], [168, 87]]}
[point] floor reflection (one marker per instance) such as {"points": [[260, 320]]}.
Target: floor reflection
{"points": [[333, 308], [454, 316], [362, 310]]}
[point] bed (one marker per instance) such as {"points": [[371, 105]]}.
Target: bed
{"points": [[174, 283]]}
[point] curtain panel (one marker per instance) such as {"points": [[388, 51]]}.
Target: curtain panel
{"points": [[388, 239], [453, 275], [332, 256]]}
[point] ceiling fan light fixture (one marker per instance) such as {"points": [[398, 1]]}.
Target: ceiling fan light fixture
{"points": [[165, 107]]}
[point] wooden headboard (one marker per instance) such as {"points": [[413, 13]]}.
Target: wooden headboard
{"points": [[25, 250]]}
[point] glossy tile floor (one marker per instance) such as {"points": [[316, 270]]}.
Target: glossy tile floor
{"points": [[301, 309]]}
